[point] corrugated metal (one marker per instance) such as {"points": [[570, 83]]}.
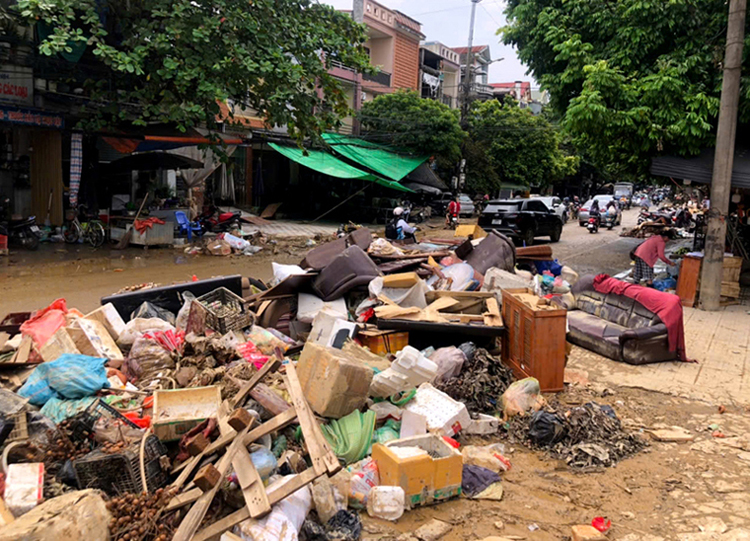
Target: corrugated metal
{"points": [[700, 168]]}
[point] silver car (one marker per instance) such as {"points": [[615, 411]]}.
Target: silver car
{"points": [[583, 213], [555, 204]]}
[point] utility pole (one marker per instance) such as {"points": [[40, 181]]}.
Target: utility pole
{"points": [[466, 87], [721, 183]]}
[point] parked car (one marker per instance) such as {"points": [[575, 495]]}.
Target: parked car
{"points": [[583, 214], [556, 205], [440, 205], [467, 206], [522, 220]]}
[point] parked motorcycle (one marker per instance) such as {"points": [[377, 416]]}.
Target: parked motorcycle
{"points": [[593, 224], [20, 232], [215, 221]]}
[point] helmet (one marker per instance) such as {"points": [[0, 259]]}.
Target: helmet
{"points": [[398, 211]]}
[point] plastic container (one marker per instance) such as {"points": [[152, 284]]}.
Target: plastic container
{"points": [[364, 478], [386, 502], [225, 311], [444, 415]]}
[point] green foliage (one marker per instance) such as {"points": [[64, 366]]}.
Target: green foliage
{"points": [[630, 78], [409, 121], [175, 60], [509, 144]]}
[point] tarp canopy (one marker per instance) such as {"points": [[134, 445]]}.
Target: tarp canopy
{"points": [[426, 176], [325, 163], [700, 168], [375, 157]]}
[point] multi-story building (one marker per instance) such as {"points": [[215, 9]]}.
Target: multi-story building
{"points": [[478, 72], [440, 73], [521, 91], [393, 46]]}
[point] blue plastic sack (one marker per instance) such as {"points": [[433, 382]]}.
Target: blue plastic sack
{"points": [[70, 376], [59, 409], [664, 285], [553, 266]]}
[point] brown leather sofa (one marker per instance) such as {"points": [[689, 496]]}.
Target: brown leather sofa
{"points": [[616, 326]]}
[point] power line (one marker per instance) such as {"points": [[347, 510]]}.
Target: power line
{"points": [[487, 11]]}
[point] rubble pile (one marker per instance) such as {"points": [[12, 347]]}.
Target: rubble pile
{"points": [[344, 386]]}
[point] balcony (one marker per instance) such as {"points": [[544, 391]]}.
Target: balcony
{"points": [[482, 90], [381, 77], [447, 100]]}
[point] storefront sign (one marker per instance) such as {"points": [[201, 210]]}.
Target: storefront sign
{"points": [[16, 84], [27, 117]]}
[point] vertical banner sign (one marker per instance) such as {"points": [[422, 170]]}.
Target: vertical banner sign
{"points": [[76, 164]]}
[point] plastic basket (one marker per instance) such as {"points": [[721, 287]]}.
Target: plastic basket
{"points": [[81, 426], [119, 473], [20, 429], [225, 311]]}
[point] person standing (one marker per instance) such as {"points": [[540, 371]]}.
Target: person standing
{"points": [[647, 254]]}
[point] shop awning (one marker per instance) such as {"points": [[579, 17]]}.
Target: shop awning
{"points": [[374, 156], [325, 163], [162, 137], [700, 168]]}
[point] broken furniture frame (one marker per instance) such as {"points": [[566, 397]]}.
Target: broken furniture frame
{"points": [[258, 501]]}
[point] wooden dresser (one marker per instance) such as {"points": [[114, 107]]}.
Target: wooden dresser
{"points": [[534, 340]]}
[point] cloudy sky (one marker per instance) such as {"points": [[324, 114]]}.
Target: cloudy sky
{"points": [[448, 21]]}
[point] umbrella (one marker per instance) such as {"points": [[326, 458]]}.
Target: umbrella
{"points": [[152, 161]]}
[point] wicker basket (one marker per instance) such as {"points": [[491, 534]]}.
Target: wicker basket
{"points": [[225, 311], [120, 472]]}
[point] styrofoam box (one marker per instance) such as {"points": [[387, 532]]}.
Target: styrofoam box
{"points": [[444, 415]]}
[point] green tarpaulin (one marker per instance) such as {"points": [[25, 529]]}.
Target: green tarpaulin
{"points": [[373, 156], [325, 163]]}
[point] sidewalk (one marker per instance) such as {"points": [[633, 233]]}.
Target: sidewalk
{"points": [[292, 229], [717, 340]]}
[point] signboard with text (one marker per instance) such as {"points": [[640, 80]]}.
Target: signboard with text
{"points": [[28, 117], [16, 84]]}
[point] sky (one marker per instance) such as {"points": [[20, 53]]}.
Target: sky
{"points": [[447, 21]]}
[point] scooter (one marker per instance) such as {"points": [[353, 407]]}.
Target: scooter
{"points": [[609, 220], [212, 220], [22, 232], [593, 225], [453, 221]]}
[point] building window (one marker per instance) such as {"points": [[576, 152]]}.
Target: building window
{"points": [[377, 12], [390, 18], [369, 8]]}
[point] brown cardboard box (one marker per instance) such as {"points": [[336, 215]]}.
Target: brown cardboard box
{"points": [[91, 338], [108, 316], [403, 279], [58, 344], [334, 383]]}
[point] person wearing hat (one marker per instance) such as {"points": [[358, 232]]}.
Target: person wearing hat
{"points": [[648, 253], [403, 229]]}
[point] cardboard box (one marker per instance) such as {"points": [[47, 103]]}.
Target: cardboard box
{"points": [[58, 344], [108, 316], [92, 338], [334, 383], [383, 342], [425, 479], [177, 412], [468, 230], [401, 280]]}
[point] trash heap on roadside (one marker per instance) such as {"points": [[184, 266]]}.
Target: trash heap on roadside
{"points": [[366, 379]]}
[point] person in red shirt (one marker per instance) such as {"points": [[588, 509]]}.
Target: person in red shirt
{"points": [[648, 253], [454, 209]]}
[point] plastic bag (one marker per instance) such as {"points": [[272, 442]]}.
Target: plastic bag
{"points": [[469, 349], [149, 310], [59, 409], [182, 316], [488, 456], [388, 432], [364, 476], [546, 428], [135, 328], [461, 273], [327, 499], [285, 520], [522, 395], [264, 461], [235, 242], [44, 323], [476, 479], [264, 340], [449, 360], [69, 376], [146, 359], [412, 297], [282, 272]]}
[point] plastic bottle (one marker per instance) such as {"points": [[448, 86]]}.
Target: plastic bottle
{"points": [[386, 502]]}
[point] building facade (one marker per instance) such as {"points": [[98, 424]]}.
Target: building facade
{"points": [[393, 45], [478, 72], [440, 73]]}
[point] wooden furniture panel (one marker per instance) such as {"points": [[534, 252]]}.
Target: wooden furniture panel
{"points": [[534, 342]]}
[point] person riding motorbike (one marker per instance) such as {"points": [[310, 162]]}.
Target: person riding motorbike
{"points": [[594, 212], [454, 209], [404, 231]]}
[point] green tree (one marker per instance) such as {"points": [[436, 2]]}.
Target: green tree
{"points": [[175, 60], [407, 120], [630, 78], [509, 144]]}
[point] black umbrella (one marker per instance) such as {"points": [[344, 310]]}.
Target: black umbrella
{"points": [[153, 161]]}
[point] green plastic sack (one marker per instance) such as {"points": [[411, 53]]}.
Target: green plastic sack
{"points": [[351, 436], [388, 432]]}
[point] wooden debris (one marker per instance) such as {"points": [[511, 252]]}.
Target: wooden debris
{"points": [[207, 477], [197, 444], [239, 419]]}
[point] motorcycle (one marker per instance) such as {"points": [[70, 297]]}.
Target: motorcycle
{"points": [[453, 221], [609, 220], [574, 208], [593, 224], [214, 221], [21, 232]]}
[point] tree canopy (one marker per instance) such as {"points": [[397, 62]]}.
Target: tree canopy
{"points": [[409, 121], [508, 144], [175, 60], [629, 78]]}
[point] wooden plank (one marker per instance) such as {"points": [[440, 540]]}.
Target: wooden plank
{"points": [[256, 499], [271, 366], [194, 517], [274, 497], [270, 401], [323, 457], [282, 420], [24, 350]]}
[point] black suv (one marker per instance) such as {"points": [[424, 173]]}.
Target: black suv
{"points": [[521, 219]]}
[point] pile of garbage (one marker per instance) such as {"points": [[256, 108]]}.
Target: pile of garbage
{"points": [[341, 387]]}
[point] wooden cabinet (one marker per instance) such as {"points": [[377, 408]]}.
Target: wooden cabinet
{"points": [[534, 340], [689, 280]]}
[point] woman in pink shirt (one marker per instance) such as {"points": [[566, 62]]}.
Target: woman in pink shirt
{"points": [[647, 254]]}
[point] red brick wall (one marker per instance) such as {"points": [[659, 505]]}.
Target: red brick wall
{"points": [[405, 63]]}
